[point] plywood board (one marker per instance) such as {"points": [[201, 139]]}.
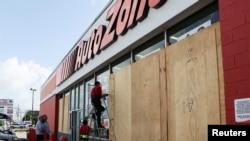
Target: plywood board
{"points": [[163, 95], [66, 114], [121, 93], [192, 87], [60, 117], [172, 94], [146, 99], [220, 72], [111, 106]]}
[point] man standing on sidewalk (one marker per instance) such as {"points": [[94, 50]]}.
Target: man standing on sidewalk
{"points": [[40, 128]]}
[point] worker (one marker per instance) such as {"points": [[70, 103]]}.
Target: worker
{"points": [[84, 131], [96, 95]]}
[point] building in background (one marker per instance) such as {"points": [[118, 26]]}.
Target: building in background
{"points": [[6, 107]]}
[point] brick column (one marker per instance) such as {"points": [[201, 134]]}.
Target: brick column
{"points": [[235, 39]]}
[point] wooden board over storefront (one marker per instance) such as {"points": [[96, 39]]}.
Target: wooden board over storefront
{"points": [[120, 106], [173, 94], [146, 99], [193, 87]]}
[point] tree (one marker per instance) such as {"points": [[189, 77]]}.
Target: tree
{"points": [[27, 116]]}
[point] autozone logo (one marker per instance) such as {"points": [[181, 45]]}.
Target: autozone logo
{"points": [[122, 16]]}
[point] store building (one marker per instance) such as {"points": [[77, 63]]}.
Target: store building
{"points": [[169, 66]]}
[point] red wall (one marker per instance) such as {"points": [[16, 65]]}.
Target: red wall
{"points": [[50, 107], [235, 36], [48, 88]]}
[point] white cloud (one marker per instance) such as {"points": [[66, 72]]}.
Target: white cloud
{"points": [[16, 79]]}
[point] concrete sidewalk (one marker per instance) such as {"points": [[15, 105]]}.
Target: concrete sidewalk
{"points": [[21, 134]]}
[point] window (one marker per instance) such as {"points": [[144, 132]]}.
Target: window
{"points": [[77, 97], [121, 62], [103, 78], [81, 95], [87, 105], [72, 99], [149, 47], [194, 23]]}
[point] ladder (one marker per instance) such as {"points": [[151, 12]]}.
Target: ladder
{"points": [[100, 133]]}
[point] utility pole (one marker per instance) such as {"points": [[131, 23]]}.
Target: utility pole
{"points": [[18, 113], [32, 112]]}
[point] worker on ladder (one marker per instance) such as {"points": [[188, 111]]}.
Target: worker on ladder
{"points": [[96, 95]]}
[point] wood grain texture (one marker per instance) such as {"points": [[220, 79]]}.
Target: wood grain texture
{"points": [[192, 86]]}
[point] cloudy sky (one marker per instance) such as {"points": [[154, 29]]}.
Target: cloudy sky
{"points": [[35, 35]]}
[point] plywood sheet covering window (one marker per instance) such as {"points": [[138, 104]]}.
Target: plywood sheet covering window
{"points": [[171, 95], [63, 125], [66, 114], [216, 27], [121, 96], [192, 87], [146, 120], [60, 117]]}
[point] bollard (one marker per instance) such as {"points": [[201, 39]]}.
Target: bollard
{"points": [[46, 136], [52, 137], [63, 138], [32, 134]]}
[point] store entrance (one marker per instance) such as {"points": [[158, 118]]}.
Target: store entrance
{"points": [[75, 124]]}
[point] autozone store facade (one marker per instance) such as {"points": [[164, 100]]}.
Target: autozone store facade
{"points": [[178, 65]]}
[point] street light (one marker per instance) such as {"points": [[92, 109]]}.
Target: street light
{"points": [[33, 90]]}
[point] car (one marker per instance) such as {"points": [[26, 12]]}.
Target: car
{"points": [[27, 123], [5, 133], [8, 136], [16, 125]]}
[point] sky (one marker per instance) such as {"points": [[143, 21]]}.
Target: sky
{"points": [[35, 35]]}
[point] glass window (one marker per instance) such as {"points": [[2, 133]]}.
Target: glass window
{"points": [[87, 105], [72, 99], [103, 78], [81, 96], [77, 97], [149, 47], [81, 117], [122, 62], [194, 23]]}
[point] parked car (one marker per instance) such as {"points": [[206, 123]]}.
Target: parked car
{"points": [[8, 137], [27, 123], [16, 125], [5, 133]]}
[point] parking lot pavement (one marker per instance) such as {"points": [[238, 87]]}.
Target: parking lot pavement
{"points": [[21, 134]]}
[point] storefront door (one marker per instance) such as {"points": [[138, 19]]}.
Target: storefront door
{"points": [[75, 124]]}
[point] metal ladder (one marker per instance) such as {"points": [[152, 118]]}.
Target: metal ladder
{"points": [[100, 133]]}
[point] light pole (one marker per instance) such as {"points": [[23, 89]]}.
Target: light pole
{"points": [[33, 90]]}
